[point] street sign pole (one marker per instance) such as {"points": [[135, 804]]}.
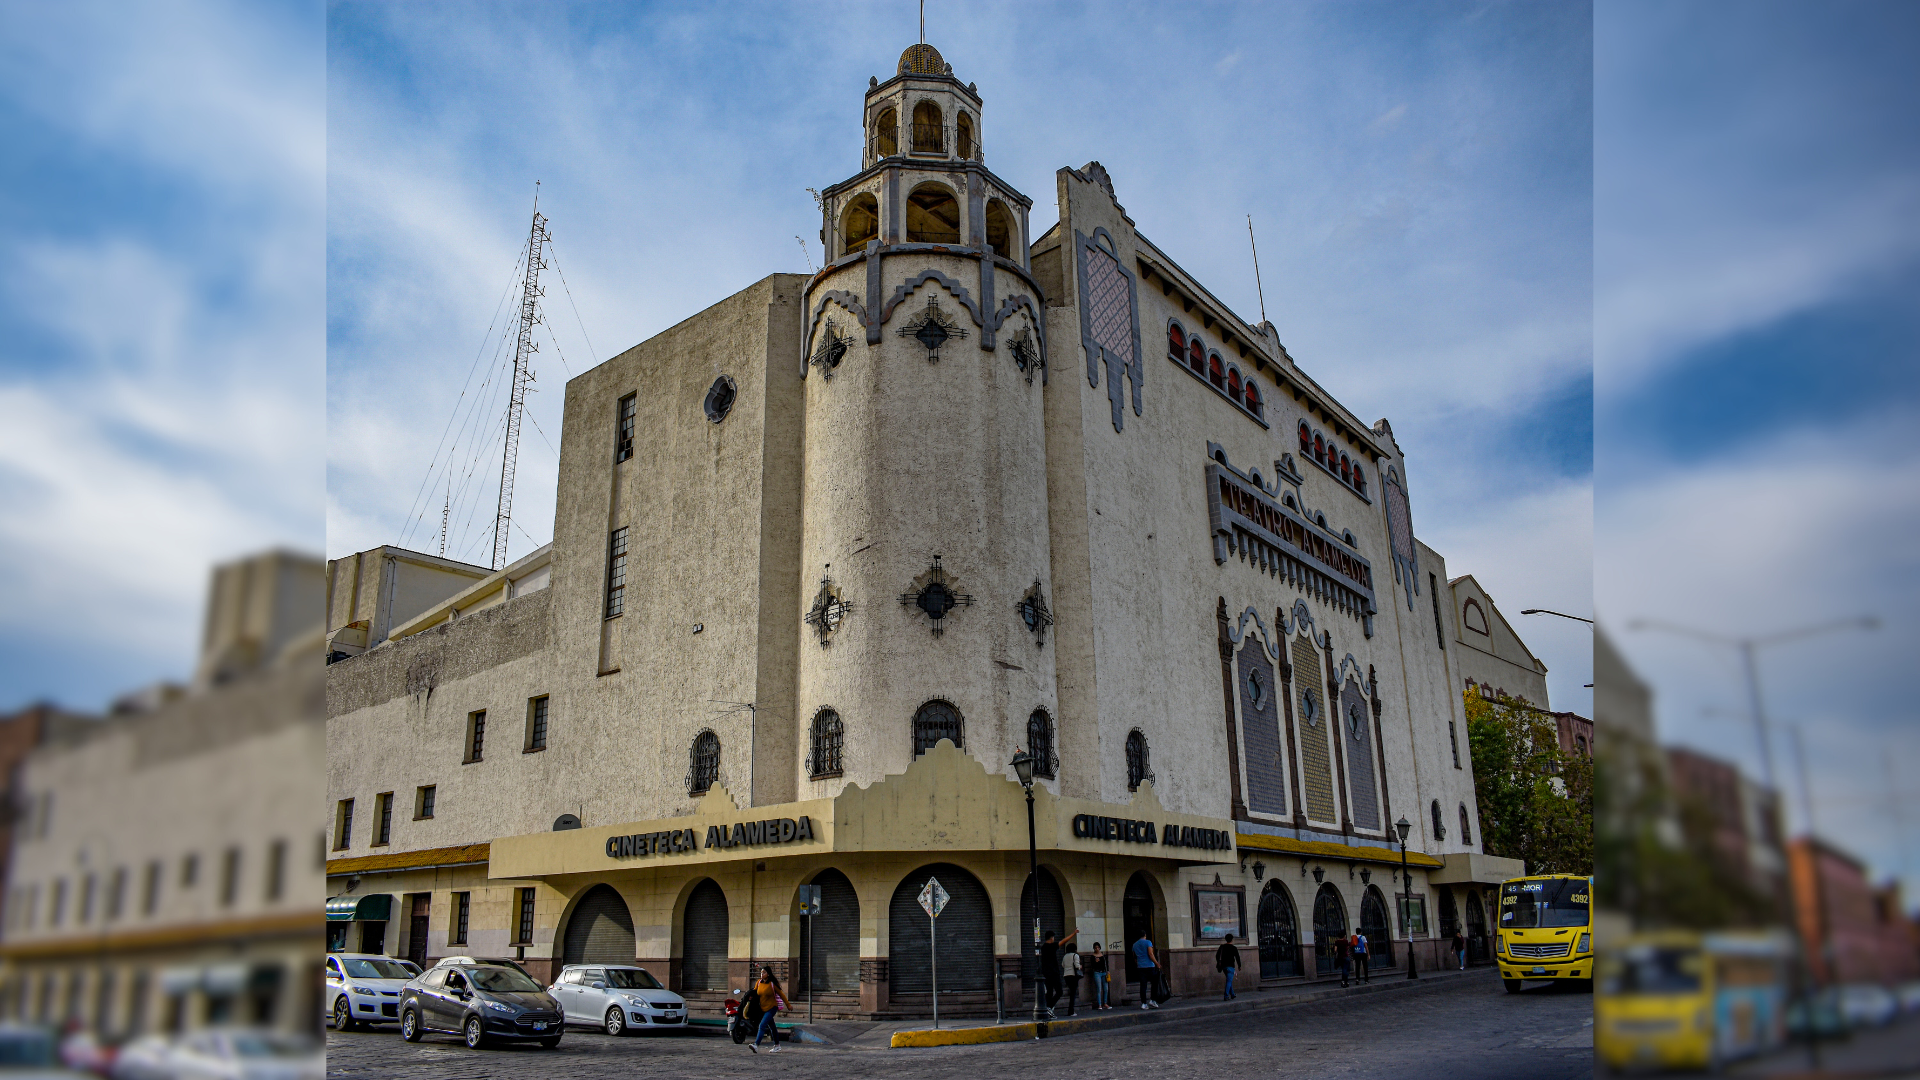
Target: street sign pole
{"points": [[933, 900]]}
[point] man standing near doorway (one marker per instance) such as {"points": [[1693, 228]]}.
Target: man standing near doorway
{"points": [[1050, 967], [1149, 968], [1227, 960], [1360, 971]]}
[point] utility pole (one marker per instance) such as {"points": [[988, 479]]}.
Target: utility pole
{"points": [[530, 294]]}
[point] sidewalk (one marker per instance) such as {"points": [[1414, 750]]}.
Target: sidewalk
{"points": [[881, 1034]]}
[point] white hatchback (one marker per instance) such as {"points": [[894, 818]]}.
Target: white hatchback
{"points": [[616, 998], [364, 988]]}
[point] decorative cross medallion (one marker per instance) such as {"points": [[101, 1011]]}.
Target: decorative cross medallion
{"points": [[1032, 609], [935, 597], [1025, 356], [833, 348], [933, 328], [828, 610]]}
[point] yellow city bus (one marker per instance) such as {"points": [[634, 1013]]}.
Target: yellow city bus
{"points": [[1680, 999], [1545, 931]]}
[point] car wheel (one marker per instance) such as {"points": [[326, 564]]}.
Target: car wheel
{"points": [[476, 1033], [410, 1026], [550, 1042], [616, 1022], [342, 1014], [1512, 985]]}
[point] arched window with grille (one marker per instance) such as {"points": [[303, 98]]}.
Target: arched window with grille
{"points": [[1176, 342], [1233, 383], [1138, 768], [1040, 744], [1197, 355], [1439, 823], [1306, 439], [937, 720], [1466, 832], [829, 735], [703, 768], [1346, 468], [1253, 400], [1216, 371], [1359, 478], [886, 134], [929, 132], [963, 136], [1319, 450]]}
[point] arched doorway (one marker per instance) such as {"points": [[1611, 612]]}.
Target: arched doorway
{"points": [[1374, 924], [1053, 920], [1329, 924], [1279, 934], [703, 950], [600, 930], [1140, 918], [830, 941], [965, 931], [1476, 928]]}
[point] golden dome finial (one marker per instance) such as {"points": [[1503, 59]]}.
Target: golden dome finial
{"points": [[922, 59]]}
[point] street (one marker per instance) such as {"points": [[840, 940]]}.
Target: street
{"points": [[1456, 1029]]}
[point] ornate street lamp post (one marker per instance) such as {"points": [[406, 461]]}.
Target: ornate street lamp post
{"points": [[1406, 916], [1023, 768]]}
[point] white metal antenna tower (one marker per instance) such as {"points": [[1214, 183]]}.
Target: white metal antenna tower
{"points": [[446, 511], [530, 295]]}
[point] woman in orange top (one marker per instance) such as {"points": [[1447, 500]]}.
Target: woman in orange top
{"points": [[771, 1002]]}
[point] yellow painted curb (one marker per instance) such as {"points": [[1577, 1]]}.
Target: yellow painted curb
{"points": [[966, 1036]]}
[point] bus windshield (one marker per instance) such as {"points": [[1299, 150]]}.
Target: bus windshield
{"points": [[1551, 903], [1648, 970]]}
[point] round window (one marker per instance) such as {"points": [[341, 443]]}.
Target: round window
{"points": [[1309, 710], [1256, 693], [720, 399]]}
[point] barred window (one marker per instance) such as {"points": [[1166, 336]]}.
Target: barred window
{"points": [[537, 724], [150, 892], [383, 822], [623, 443], [423, 799], [1466, 833], [523, 928], [230, 877], [476, 735], [828, 737], [1040, 743], [462, 903], [1138, 770], [617, 572], [342, 837], [1453, 740], [276, 869], [117, 893], [703, 769], [937, 720]]}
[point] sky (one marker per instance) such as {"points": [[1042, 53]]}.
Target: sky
{"points": [[1757, 252], [1420, 177]]}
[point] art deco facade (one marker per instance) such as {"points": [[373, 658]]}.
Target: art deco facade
{"points": [[830, 552]]}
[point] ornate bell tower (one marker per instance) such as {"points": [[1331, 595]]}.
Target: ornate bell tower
{"points": [[924, 481]]}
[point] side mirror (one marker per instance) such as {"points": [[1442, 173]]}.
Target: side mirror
{"points": [[599, 986]]}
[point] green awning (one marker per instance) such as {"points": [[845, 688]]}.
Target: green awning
{"points": [[374, 907]]}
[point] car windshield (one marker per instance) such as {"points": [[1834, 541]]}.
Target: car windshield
{"points": [[1556, 902], [502, 980], [251, 1045], [1644, 969], [26, 1048], [380, 969], [631, 979]]}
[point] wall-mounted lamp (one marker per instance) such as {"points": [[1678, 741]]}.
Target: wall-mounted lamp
{"points": [[1319, 874], [1366, 875], [1259, 870]]}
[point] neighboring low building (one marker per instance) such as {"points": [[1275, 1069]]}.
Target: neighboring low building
{"points": [[371, 592], [1741, 819], [1492, 657], [1853, 931], [165, 874]]}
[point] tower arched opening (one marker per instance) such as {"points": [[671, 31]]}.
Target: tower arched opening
{"points": [[929, 129], [933, 215], [963, 141], [886, 134], [1000, 228], [859, 223]]}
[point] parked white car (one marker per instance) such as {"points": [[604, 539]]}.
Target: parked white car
{"points": [[222, 1054], [364, 988], [616, 998], [1866, 1005]]}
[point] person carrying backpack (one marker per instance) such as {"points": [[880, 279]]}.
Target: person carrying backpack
{"points": [[1070, 974], [1360, 958]]}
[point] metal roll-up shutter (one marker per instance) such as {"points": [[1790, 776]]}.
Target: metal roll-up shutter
{"points": [[703, 956], [965, 931], [1053, 920], [833, 935], [600, 930]]}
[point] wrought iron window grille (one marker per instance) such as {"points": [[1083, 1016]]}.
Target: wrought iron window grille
{"points": [[828, 610], [1025, 356], [932, 328], [829, 740], [936, 597], [1040, 744], [832, 349], [703, 767], [1138, 770], [1033, 611]]}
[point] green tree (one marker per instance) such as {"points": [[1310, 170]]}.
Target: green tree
{"points": [[1536, 803]]}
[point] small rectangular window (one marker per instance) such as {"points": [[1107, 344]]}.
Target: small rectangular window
{"points": [[523, 928], [383, 819], [150, 892], [476, 736], [276, 869], [117, 894], [86, 899], [623, 441], [1453, 738], [57, 906], [190, 869], [423, 802], [617, 572], [342, 827], [1439, 627], [537, 724], [230, 877], [462, 903]]}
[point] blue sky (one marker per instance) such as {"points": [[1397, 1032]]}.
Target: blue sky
{"points": [[1757, 248], [1420, 175]]}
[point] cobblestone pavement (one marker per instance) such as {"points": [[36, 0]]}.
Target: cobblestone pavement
{"points": [[1458, 1029]]}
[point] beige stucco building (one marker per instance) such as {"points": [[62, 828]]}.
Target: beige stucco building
{"points": [[827, 554]]}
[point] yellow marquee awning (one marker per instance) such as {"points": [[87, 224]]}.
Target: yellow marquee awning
{"points": [[1321, 849]]}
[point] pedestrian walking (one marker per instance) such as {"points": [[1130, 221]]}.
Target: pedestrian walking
{"points": [[1227, 961], [1149, 969], [1342, 956], [771, 1001], [1070, 974], [1360, 970], [1460, 948], [1050, 975], [1098, 962]]}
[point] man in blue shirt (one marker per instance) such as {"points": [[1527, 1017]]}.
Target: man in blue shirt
{"points": [[1143, 960]]}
